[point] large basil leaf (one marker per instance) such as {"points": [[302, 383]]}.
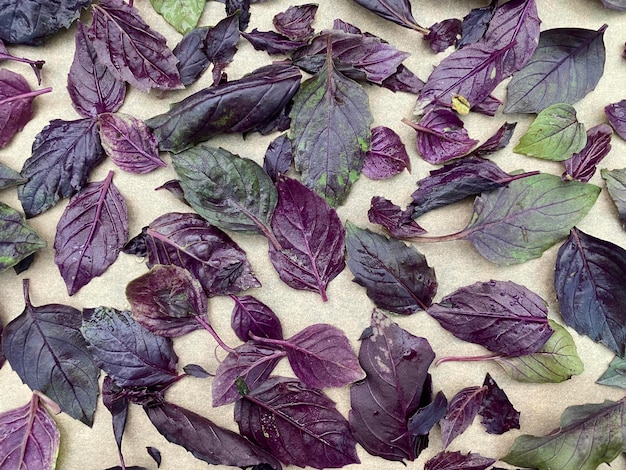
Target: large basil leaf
{"points": [[330, 132], [183, 15], [566, 65], [17, 239]]}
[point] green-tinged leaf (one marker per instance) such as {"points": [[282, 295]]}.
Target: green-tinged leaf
{"points": [[229, 191], [589, 435], [183, 15], [555, 134], [615, 375], [556, 361], [518, 222], [616, 185], [330, 133], [17, 239]]}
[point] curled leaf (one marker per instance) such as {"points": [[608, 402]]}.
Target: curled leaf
{"points": [[393, 219], [582, 165], [462, 410], [183, 15]]}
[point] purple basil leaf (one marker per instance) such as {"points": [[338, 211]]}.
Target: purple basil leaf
{"points": [[278, 157], [497, 141], [297, 424], [243, 6], [129, 143], [221, 44], [616, 114], [462, 410], [35, 20], [403, 80], [125, 350], [398, 11], [29, 437], [295, 22], [137, 245], [36, 65], [63, 154], [489, 106], [497, 411], [395, 275], [458, 461], [10, 178], [155, 454], [257, 98], [130, 49], [517, 23], [472, 72], [189, 241], [504, 317], [441, 136], [425, 418], [205, 439], [393, 219], [387, 155], [455, 181], [90, 234], [616, 185], [475, 24], [45, 348], [272, 42], [251, 316], [17, 239], [16, 104], [582, 165], [311, 237], [443, 34], [92, 88], [24, 264], [618, 5], [588, 281], [346, 27], [566, 65], [252, 362], [396, 365], [117, 404], [199, 372], [167, 300]]}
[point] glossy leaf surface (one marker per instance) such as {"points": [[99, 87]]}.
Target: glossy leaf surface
{"points": [[295, 22], [582, 165], [615, 374], [588, 276], [566, 65], [393, 219], [616, 114], [251, 316], [497, 412], [396, 365], [125, 350], [395, 275], [311, 237], [616, 185], [297, 424], [91, 233], [458, 461], [64, 153], [462, 410], [387, 156], [183, 15], [17, 239], [45, 348]]}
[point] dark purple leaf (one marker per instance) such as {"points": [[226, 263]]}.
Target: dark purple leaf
{"points": [[497, 141], [244, 11], [129, 143], [117, 404], [192, 58], [475, 24], [36, 65], [90, 234], [205, 439], [137, 245], [29, 437], [393, 219], [618, 5], [252, 362], [199, 372], [130, 49], [175, 189], [462, 410], [387, 155], [616, 185], [295, 22], [125, 350], [257, 98], [35, 20], [589, 276], [398, 11], [167, 300], [396, 365], [443, 34], [458, 461], [489, 106], [457, 180], [297, 424], [616, 114], [272, 42], [278, 157], [395, 275], [10, 178], [403, 80], [517, 23], [92, 88], [426, 417], [251, 316], [504, 317], [63, 154], [311, 237], [2, 356], [441, 136], [24, 264], [472, 72], [497, 411], [566, 65], [582, 165], [46, 349], [16, 104], [17, 239], [189, 241], [155, 454]]}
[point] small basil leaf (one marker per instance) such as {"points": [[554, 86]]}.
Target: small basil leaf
{"points": [[462, 410], [497, 411], [387, 156], [251, 316], [458, 461]]}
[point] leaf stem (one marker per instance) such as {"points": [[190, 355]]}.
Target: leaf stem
{"points": [[486, 357], [442, 238], [207, 326], [23, 96], [272, 341]]}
